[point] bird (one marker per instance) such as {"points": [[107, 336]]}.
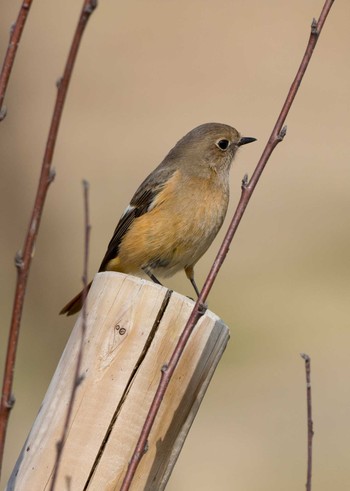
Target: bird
{"points": [[177, 211]]}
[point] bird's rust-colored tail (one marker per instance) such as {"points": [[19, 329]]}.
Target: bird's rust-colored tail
{"points": [[75, 304]]}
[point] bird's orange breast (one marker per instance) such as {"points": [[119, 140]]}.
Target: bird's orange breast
{"points": [[181, 224]]}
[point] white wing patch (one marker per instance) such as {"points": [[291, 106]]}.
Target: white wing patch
{"points": [[127, 210]]}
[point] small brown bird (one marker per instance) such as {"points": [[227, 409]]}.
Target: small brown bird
{"points": [[177, 211]]}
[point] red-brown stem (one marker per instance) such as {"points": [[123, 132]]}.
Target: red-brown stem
{"points": [[23, 259], [247, 189], [310, 425], [77, 375], [15, 37], [86, 251]]}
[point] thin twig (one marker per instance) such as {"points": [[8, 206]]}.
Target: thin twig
{"points": [[23, 259], [277, 135], [78, 378], [15, 37], [310, 430], [86, 251]]}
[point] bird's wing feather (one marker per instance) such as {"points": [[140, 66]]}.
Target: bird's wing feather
{"points": [[140, 204]]}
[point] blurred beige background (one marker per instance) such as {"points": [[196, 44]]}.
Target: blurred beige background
{"points": [[147, 73]]}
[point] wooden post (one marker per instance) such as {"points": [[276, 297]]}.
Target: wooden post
{"points": [[132, 327]]}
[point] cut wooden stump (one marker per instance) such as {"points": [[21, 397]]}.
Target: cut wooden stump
{"points": [[131, 330]]}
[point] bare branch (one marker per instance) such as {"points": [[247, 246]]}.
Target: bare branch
{"points": [[15, 37], [310, 430], [86, 249], [77, 376], [247, 189], [23, 259]]}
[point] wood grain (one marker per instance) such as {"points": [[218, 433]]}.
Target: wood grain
{"points": [[132, 328]]}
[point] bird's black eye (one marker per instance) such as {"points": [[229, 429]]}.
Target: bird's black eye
{"points": [[223, 144]]}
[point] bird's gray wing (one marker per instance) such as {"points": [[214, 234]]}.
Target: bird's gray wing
{"points": [[140, 204]]}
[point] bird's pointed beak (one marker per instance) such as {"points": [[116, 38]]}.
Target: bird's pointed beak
{"points": [[246, 139]]}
